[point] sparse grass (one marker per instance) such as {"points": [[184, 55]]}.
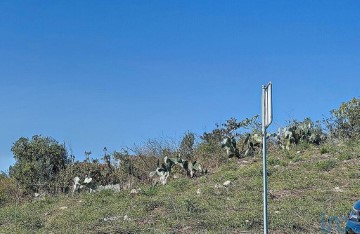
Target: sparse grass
{"points": [[326, 165], [303, 188]]}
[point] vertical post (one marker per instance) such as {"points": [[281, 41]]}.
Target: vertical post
{"points": [[264, 158], [265, 184], [266, 121]]}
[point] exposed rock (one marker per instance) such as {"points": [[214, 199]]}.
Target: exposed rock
{"points": [[198, 191], [113, 187], [63, 208], [227, 183], [338, 189], [39, 196], [134, 192], [111, 218]]}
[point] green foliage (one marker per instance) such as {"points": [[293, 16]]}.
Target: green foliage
{"points": [[345, 121], [163, 171], [344, 156], [101, 174], [230, 129], [187, 146], [230, 146], [228, 133], [8, 189], [150, 191], [299, 133], [129, 166], [191, 206], [39, 160], [250, 144], [326, 165], [204, 204], [276, 161], [324, 150]]}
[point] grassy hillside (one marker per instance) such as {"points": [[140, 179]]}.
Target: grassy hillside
{"points": [[307, 184]]}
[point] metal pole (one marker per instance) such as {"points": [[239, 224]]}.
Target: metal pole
{"points": [[265, 185], [264, 118]]}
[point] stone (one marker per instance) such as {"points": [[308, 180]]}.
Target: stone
{"points": [[198, 191], [135, 191]]}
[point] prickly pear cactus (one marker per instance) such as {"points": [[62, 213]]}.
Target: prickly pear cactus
{"points": [[229, 143], [251, 144], [164, 171], [297, 132]]}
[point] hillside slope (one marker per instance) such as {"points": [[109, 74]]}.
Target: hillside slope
{"points": [[307, 185]]}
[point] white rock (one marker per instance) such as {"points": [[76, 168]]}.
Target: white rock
{"points": [[63, 208], [126, 218], [111, 218], [135, 191], [338, 189], [227, 183], [87, 180], [198, 191]]}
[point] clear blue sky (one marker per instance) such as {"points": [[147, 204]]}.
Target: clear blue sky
{"points": [[115, 73]]}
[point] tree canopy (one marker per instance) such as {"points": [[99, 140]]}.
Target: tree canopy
{"points": [[38, 162]]}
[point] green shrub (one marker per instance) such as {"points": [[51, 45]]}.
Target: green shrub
{"points": [[39, 161], [276, 161], [150, 191], [324, 150], [8, 190], [326, 165], [344, 156], [345, 121]]}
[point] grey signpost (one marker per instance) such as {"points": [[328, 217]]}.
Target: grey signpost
{"points": [[266, 121]]}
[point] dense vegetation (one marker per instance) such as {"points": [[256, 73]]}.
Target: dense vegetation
{"points": [[313, 172]]}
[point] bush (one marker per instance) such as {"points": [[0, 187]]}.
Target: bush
{"points": [[101, 174], [345, 121], [38, 163], [326, 165], [8, 189]]}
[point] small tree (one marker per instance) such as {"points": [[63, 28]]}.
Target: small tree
{"points": [[346, 120], [38, 162], [187, 146]]}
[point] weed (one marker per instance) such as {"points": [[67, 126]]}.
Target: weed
{"points": [[150, 191], [344, 156], [324, 150], [326, 165]]}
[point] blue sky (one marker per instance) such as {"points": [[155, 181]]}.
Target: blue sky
{"points": [[114, 73]]}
